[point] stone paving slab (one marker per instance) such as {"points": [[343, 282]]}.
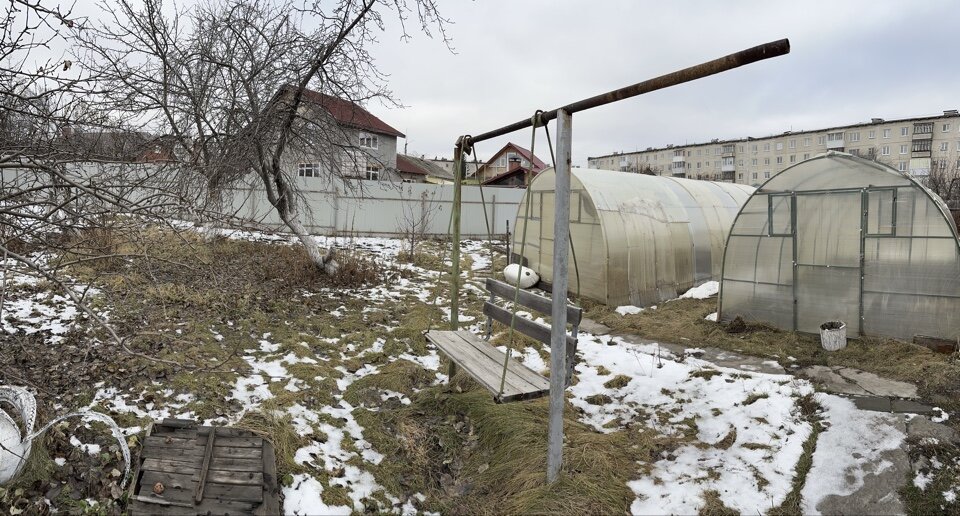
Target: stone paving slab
{"points": [[878, 385], [591, 326]]}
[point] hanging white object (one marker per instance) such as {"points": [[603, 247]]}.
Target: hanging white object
{"points": [[15, 447], [528, 277]]}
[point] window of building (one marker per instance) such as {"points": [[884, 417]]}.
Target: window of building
{"points": [[766, 175], [903, 149], [855, 152], [885, 150], [754, 175], [922, 145], [944, 146], [308, 169], [754, 160], [716, 164], [716, 151], [779, 160], [793, 158], [904, 131], [754, 147], [835, 137], [821, 139], [854, 137], [872, 134], [740, 176], [740, 163], [793, 144], [741, 148], [779, 145], [372, 172], [886, 133], [766, 161], [806, 142], [368, 141], [902, 166], [946, 128], [766, 148], [922, 128], [806, 156]]}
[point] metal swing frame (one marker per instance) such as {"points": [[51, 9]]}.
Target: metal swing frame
{"points": [[564, 137]]}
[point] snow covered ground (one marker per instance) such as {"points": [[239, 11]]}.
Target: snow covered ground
{"points": [[747, 429]]}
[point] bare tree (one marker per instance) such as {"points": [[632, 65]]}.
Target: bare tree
{"points": [[415, 221], [233, 82]]}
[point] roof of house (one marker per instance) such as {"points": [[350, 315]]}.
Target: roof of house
{"points": [[506, 175], [414, 165], [350, 114], [538, 164]]}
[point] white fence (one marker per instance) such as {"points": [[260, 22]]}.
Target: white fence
{"points": [[362, 208], [371, 208]]}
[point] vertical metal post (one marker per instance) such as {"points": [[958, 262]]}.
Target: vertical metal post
{"points": [[458, 165], [558, 334]]}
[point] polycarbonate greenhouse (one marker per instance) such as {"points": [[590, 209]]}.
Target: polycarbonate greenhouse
{"points": [[838, 237], [638, 239]]}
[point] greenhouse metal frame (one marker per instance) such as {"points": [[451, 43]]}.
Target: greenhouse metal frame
{"points": [[838, 237]]}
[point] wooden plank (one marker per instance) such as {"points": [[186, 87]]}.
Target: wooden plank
{"points": [[239, 478], [205, 465], [166, 466], [485, 364], [235, 493], [184, 454], [211, 507], [515, 367], [175, 441], [271, 487], [237, 453], [534, 330], [236, 464], [480, 366], [530, 300], [176, 487]]}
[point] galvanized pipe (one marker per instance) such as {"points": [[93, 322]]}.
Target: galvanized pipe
{"points": [[558, 331], [729, 62]]}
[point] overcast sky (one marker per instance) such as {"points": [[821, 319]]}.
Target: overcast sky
{"points": [[849, 61]]}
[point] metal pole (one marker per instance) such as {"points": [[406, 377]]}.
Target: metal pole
{"points": [[458, 165], [728, 62], [558, 334]]}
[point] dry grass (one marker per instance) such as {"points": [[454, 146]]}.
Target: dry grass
{"points": [[713, 505], [478, 457]]}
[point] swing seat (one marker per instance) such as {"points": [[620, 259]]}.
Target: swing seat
{"points": [[485, 363]]}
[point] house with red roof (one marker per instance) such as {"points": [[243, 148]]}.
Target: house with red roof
{"points": [[357, 144], [510, 166]]}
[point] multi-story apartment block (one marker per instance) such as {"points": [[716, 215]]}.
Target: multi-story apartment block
{"points": [[914, 145]]}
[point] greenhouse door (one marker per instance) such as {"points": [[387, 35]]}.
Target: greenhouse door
{"points": [[827, 266]]}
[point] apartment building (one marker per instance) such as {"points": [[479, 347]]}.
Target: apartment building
{"points": [[914, 145]]}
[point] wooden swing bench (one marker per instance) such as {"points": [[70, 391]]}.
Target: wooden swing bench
{"points": [[485, 363]]}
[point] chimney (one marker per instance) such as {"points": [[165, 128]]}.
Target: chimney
{"points": [[876, 120], [951, 112]]}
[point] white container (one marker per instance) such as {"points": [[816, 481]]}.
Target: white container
{"points": [[528, 277], [833, 335]]}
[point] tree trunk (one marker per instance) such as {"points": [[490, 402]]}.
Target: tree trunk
{"points": [[324, 261]]}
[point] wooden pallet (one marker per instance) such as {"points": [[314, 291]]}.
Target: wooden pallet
{"points": [[484, 363], [204, 470]]}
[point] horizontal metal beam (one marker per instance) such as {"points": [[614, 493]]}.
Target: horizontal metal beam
{"points": [[729, 62]]}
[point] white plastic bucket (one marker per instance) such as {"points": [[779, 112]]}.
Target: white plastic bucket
{"points": [[833, 335]]}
